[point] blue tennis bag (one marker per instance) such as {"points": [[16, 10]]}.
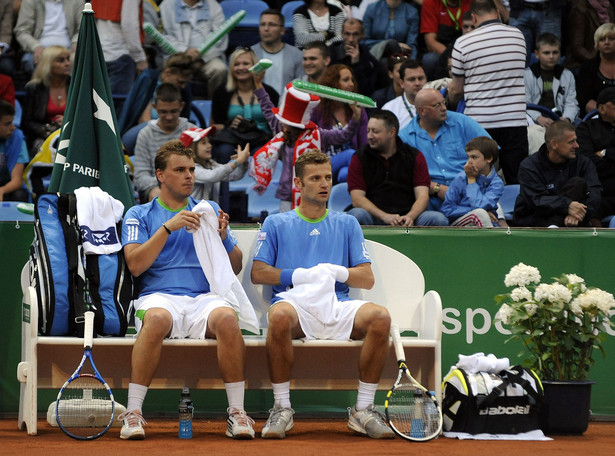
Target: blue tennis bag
{"points": [[67, 284]]}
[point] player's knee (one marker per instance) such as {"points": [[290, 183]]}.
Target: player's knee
{"points": [[380, 320], [157, 321], [280, 319], [225, 323]]}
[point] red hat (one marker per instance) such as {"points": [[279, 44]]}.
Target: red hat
{"points": [[296, 107], [195, 135]]}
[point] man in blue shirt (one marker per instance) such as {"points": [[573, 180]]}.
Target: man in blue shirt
{"points": [[311, 256], [441, 136], [174, 296]]}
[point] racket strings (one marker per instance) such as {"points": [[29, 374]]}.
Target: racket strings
{"points": [[412, 412], [85, 407]]}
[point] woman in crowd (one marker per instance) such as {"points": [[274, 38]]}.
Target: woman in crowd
{"points": [[45, 99], [392, 20], [599, 72], [235, 111], [331, 114], [318, 21]]}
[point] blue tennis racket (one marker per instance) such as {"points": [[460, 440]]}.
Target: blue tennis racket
{"points": [[85, 407]]}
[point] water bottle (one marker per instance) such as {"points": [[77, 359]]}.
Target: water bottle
{"points": [[185, 414]]}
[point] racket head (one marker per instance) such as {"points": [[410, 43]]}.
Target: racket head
{"points": [[411, 410], [85, 407]]}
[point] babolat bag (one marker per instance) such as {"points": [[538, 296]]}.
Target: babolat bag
{"points": [[66, 282], [503, 403]]}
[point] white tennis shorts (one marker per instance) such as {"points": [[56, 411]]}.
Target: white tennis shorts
{"points": [[315, 329], [189, 314]]}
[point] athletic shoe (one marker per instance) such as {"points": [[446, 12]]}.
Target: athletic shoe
{"points": [[369, 422], [239, 425], [132, 427], [279, 423]]}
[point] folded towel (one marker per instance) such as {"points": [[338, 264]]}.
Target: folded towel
{"points": [[98, 214], [478, 362]]}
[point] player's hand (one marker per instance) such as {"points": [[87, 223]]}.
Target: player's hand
{"points": [[184, 219], [223, 219]]}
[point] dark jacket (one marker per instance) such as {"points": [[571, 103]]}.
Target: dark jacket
{"points": [[365, 70], [34, 117], [541, 182], [592, 136], [390, 187]]}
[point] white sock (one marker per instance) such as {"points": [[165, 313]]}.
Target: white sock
{"points": [[235, 394], [281, 394], [136, 396], [366, 395]]}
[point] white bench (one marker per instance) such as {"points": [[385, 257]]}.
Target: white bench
{"points": [[47, 361]]}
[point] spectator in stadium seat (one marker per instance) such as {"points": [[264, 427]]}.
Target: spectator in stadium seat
{"points": [[317, 21]]}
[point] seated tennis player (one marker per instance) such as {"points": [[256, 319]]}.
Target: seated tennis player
{"points": [[311, 256], [176, 298]]}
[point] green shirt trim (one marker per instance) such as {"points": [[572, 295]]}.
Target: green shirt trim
{"points": [[309, 220]]}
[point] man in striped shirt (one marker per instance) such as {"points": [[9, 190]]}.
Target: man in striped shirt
{"points": [[488, 65]]}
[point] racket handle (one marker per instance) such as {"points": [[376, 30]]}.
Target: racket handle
{"points": [[399, 349], [88, 331]]}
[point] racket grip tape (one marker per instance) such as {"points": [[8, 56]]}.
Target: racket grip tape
{"points": [[88, 331], [399, 349]]}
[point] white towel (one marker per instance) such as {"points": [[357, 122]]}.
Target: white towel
{"points": [[478, 362], [314, 291], [217, 268], [97, 214]]}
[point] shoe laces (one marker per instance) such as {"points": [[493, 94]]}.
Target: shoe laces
{"points": [[275, 415], [240, 417], [133, 419]]}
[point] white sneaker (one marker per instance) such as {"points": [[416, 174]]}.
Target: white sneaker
{"points": [[239, 425], [280, 421], [132, 427], [369, 422]]}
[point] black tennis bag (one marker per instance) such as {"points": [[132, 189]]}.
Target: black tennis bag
{"points": [[66, 283], [504, 403]]}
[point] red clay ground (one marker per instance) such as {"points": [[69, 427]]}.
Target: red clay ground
{"points": [[309, 437]]}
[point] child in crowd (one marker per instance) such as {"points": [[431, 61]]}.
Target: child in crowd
{"points": [[209, 173], [549, 84], [472, 198], [13, 156]]}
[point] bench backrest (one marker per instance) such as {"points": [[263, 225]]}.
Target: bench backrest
{"points": [[399, 283]]}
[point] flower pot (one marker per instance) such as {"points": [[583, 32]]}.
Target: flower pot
{"points": [[565, 409]]}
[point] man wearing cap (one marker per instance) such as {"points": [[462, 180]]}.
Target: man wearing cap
{"points": [[169, 125], [310, 257], [294, 133], [596, 139], [557, 186]]}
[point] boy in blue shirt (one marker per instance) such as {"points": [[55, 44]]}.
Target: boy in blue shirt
{"points": [[472, 198], [13, 156]]}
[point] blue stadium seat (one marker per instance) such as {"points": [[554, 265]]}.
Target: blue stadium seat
{"points": [[129, 139], [339, 198], [287, 11], [507, 201], [246, 32], [546, 112], [200, 112], [18, 113]]}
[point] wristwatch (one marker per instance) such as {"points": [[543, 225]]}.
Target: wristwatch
{"points": [[602, 153], [436, 189]]}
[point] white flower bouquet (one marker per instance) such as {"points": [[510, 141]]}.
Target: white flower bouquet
{"points": [[559, 324]]}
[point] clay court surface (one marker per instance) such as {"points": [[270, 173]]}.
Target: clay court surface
{"points": [[309, 437]]}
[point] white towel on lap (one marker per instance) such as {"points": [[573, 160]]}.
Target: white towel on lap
{"points": [[314, 290], [98, 214], [217, 268]]}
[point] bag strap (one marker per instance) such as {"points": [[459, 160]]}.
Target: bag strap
{"points": [[524, 383], [486, 401]]}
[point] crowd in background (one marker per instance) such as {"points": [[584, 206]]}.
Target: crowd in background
{"points": [[559, 58]]}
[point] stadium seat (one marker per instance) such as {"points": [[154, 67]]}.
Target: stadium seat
{"points": [[18, 113], [543, 110], [339, 198], [590, 115], [129, 139], [200, 112], [288, 10], [507, 201], [246, 32]]}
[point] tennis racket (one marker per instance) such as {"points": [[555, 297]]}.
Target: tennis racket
{"points": [[85, 407], [412, 412]]}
